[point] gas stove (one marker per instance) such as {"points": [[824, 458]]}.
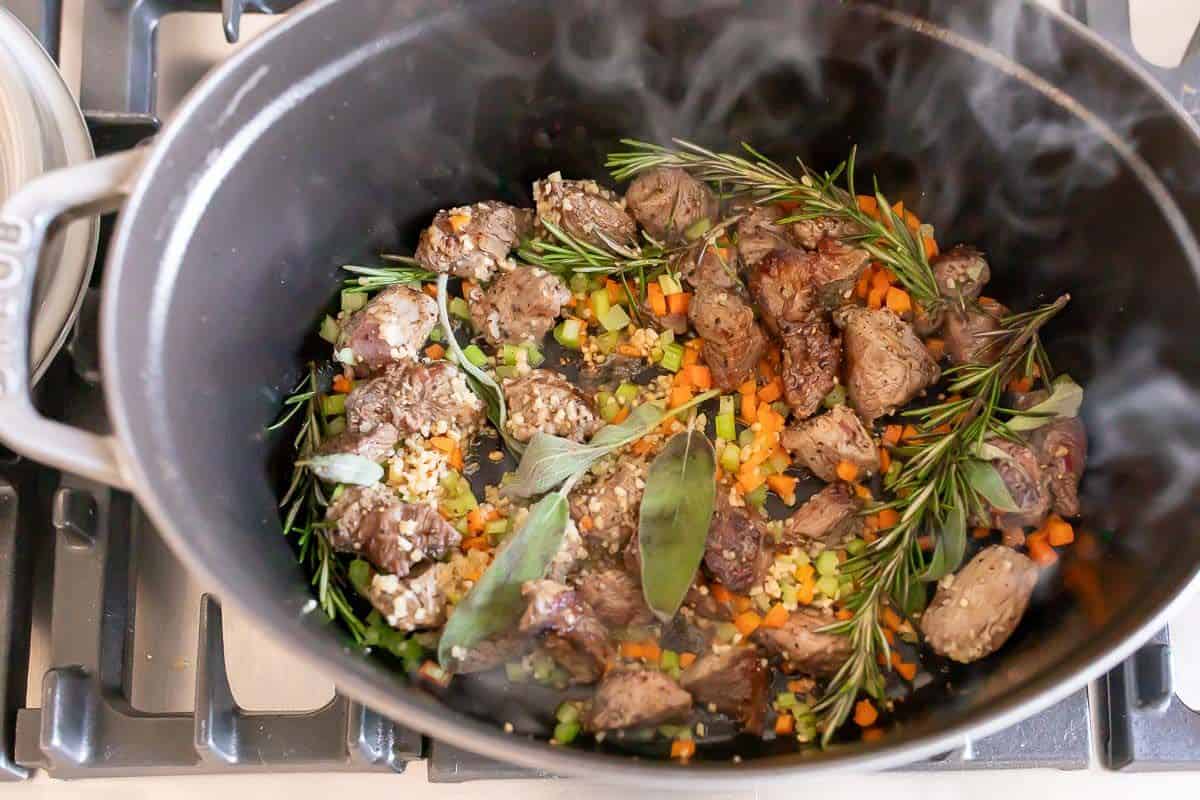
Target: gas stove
{"points": [[114, 661]]}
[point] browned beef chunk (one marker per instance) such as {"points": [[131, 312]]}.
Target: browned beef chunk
{"points": [[610, 496], [757, 234], [801, 648], [417, 602], [519, 306], [1061, 448], [666, 201], [825, 441], [584, 210], [545, 401], [886, 364], [429, 399], [808, 233], [734, 682], [732, 550], [976, 611], [811, 358], [683, 635], [712, 266], [783, 286], [961, 273], [966, 333], [390, 329], [831, 515], [473, 241], [376, 445], [572, 634], [733, 341], [489, 653], [615, 596], [835, 269], [393, 535], [637, 698], [1023, 477]]}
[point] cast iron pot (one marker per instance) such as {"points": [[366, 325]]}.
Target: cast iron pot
{"points": [[340, 132]]}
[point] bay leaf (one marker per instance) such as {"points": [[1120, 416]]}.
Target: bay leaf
{"points": [[983, 477], [1066, 396], [676, 511], [494, 605], [345, 468]]}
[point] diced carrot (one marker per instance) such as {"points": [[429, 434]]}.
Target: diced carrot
{"points": [[1040, 550], [720, 593], [925, 543], [805, 572], [910, 433], [865, 714], [742, 603], [785, 724], [805, 592], [906, 670], [642, 446], [679, 396], [868, 205], [847, 471], [771, 392], [430, 289], [467, 287], [678, 303], [687, 659], [658, 302], [898, 301], [870, 536], [682, 378], [628, 350], [863, 287], [456, 458], [459, 221], [1022, 384], [586, 523], [892, 433], [879, 281], [749, 409], [890, 636], [683, 749], [875, 298], [747, 622], [888, 518], [651, 651], [748, 388], [435, 351], [885, 459], [615, 290], [342, 384], [433, 673], [844, 614], [476, 543], [784, 486], [444, 443], [691, 355], [1058, 531], [936, 348], [766, 369], [980, 533], [749, 477], [777, 617], [931, 247], [621, 415], [701, 376], [862, 492], [475, 521], [765, 415], [891, 619]]}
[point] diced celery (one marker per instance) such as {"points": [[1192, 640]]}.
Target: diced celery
{"points": [[533, 354], [475, 355], [435, 335], [893, 472], [567, 712], [508, 354], [333, 404], [628, 392], [598, 281], [757, 497], [727, 405], [779, 462], [569, 333], [579, 283], [762, 602], [335, 426], [780, 407], [788, 592], [806, 730], [614, 319], [746, 437], [801, 710], [801, 558], [353, 301], [827, 563], [675, 672], [459, 505], [836, 396], [506, 371], [460, 525], [669, 284], [600, 303], [726, 427], [726, 631], [329, 330], [666, 337], [785, 699], [655, 354], [828, 586], [855, 547], [515, 672], [671, 731], [345, 356], [607, 342], [731, 457], [459, 308], [697, 229], [609, 407], [360, 575], [668, 659], [672, 358], [497, 527], [337, 492]]}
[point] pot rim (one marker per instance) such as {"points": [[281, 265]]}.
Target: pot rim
{"points": [[487, 739]]}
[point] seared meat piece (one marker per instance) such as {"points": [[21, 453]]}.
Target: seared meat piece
{"points": [[571, 553], [376, 445], [811, 357], [682, 635], [611, 496], [573, 636], [808, 233], [519, 306], [715, 267], [640, 698], [925, 323], [584, 210], [733, 341], [735, 682], [489, 653], [733, 547], [429, 399], [974, 612], [473, 241], [783, 285], [666, 201], [801, 648], [757, 234], [966, 332], [392, 535], [391, 328], [615, 596], [1061, 448], [961, 273], [835, 268], [1026, 483], [413, 603], [833, 437], [886, 364], [545, 401], [830, 516]]}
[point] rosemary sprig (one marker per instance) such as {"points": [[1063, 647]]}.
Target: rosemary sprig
{"points": [[372, 279], [935, 493], [565, 255], [304, 503], [888, 240]]}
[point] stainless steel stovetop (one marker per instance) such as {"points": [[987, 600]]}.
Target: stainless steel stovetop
{"points": [[133, 670]]}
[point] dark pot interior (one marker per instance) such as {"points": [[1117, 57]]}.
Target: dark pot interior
{"points": [[340, 135]]}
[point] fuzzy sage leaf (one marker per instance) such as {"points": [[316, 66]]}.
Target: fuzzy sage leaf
{"points": [[985, 479], [345, 468], [951, 544], [494, 604], [676, 511], [1065, 398]]}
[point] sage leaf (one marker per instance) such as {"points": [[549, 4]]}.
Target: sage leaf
{"points": [[987, 451], [951, 543], [676, 511], [987, 483], [1066, 396], [494, 605], [345, 468]]}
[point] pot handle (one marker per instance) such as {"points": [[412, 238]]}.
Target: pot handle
{"points": [[26, 222]]}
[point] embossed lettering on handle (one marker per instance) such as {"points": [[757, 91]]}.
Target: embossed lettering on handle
{"points": [[26, 221]]}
